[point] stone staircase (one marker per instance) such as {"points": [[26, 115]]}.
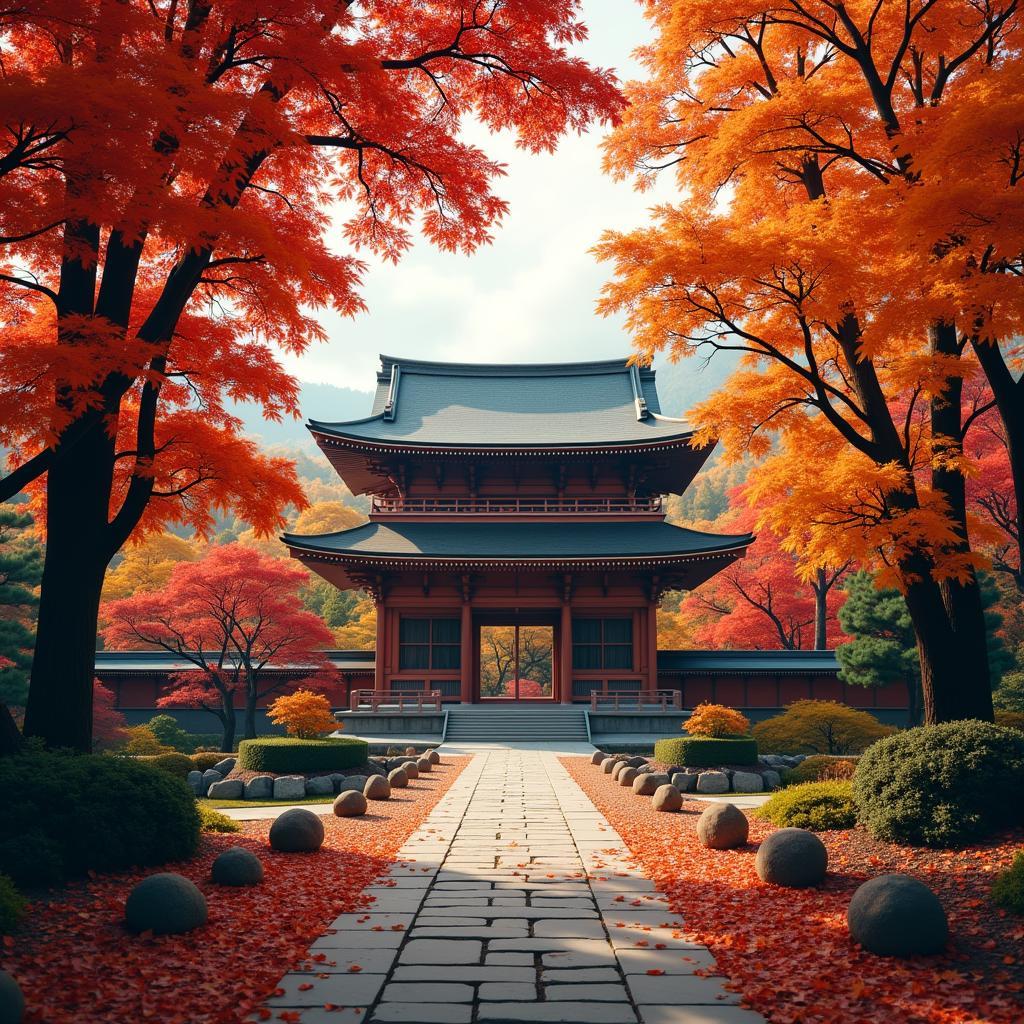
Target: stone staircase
{"points": [[498, 723]]}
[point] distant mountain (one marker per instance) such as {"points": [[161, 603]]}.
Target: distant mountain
{"points": [[681, 385]]}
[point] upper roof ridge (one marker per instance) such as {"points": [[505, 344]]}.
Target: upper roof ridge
{"points": [[581, 368]]}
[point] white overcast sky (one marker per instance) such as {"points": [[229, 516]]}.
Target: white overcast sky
{"points": [[530, 295]]}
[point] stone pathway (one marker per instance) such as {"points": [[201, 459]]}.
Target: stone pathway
{"points": [[514, 901]]}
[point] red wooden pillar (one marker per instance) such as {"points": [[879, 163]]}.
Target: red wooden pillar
{"points": [[652, 645], [466, 657], [565, 654], [382, 646]]}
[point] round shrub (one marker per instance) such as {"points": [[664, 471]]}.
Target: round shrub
{"points": [[941, 785], [706, 751], [178, 765], [237, 866], [12, 1002], [205, 760], [819, 727], [1008, 888], [213, 821], [12, 906], [896, 915], [717, 721], [792, 858], [65, 814], [283, 755], [818, 806], [821, 768], [165, 904], [297, 831]]}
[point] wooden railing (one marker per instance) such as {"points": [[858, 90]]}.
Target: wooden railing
{"points": [[662, 700], [517, 505], [383, 700]]}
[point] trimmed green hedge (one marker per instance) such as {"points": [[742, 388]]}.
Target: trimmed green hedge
{"points": [[818, 806], [1008, 888], [282, 754], [941, 785], [706, 751], [65, 814]]}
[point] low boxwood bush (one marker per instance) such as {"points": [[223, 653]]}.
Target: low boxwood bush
{"points": [[12, 906], [941, 785], [211, 820], [206, 760], [283, 754], [65, 814], [706, 751], [818, 806], [1008, 888], [178, 765], [821, 768]]}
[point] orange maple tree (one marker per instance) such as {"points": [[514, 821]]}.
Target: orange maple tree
{"points": [[304, 714], [167, 171], [851, 175], [716, 720]]}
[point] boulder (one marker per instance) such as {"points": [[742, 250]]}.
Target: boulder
{"points": [[712, 782], [226, 789], [722, 827], [411, 752], [320, 785], [646, 783], [434, 757], [377, 788], [289, 787], [619, 768], [685, 782], [771, 778], [352, 783], [747, 782], [195, 782], [775, 760], [628, 776], [398, 778], [424, 764], [209, 778], [792, 857], [165, 904], [896, 915], [261, 787], [636, 762], [597, 757], [667, 798], [411, 770], [237, 866], [350, 804], [226, 766], [297, 831], [12, 1002]]}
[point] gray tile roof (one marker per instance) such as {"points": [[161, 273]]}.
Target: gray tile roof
{"points": [[489, 540], [164, 661], [488, 405], [683, 662]]}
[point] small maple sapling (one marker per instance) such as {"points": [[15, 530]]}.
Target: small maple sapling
{"points": [[304, 714]]}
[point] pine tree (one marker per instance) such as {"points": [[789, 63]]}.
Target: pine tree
{"points": [[20, 571]]}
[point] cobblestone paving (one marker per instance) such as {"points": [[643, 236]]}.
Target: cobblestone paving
{"points": [[514, 901]]}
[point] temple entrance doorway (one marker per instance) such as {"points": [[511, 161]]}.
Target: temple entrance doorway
{"points": [[516, 661]]}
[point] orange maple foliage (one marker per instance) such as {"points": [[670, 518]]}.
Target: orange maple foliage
{"points": [[780, 947], [304, 714], [850, 176], [77, 964], [168, 176], [716, 720]]}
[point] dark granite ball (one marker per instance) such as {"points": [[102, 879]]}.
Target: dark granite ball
{"points": [[297, 831], [896, 915]]}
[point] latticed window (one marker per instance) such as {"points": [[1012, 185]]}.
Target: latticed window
{"points": [[602, 643], [429, 643]]}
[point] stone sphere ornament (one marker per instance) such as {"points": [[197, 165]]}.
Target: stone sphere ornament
{"points": [[424, 764], [237, 866], [609, 764], [297, 831], [598, 756], [350, 804], [12, 1002], [398, 778], [647, 783], [792, 857], [377, 788], [165, 904], [896, 915], [722, 827], [667, 798], [433, 757], [410, 769]]}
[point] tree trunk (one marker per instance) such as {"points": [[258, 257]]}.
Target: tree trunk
{"points": [[820, 610], [10, 737], [59, 709], [227, 721], [249, 725], [913, 702]]}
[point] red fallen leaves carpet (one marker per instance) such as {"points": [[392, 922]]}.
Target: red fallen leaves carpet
{"points": [[788, 951], [77, 965]]}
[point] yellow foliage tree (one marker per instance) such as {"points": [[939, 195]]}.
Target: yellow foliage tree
{"points": [[321, 517], [360, 632], [141, 741], [147, 565], [819, 727], [716, 720], [304, 714]]}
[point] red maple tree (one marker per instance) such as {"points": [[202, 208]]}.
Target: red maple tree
{"points": [[231, 615], [167, 172], [108, 724]]}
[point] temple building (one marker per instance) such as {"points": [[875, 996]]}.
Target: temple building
{"points": [[517, 547]]}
